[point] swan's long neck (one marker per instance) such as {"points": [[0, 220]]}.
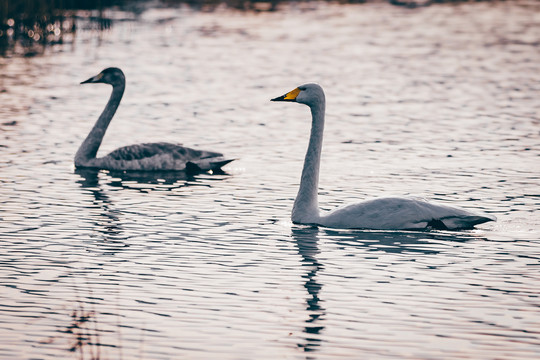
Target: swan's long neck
{"points": [[306, 205], [89, 148]]}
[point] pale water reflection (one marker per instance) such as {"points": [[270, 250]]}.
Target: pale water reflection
{"points": [[439, 102]]}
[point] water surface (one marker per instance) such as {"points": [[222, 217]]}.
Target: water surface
{"points": [[439, 102]]}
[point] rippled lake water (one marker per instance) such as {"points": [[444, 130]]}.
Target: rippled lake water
{"points": [[440, 102]]}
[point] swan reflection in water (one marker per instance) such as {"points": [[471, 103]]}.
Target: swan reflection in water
{"points": [[146, 181], [307, 239], [107, 223]]}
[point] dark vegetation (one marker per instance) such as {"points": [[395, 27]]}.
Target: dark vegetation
{"points": [[82, 334]]}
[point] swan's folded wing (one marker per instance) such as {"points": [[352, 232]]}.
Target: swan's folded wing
{"points": [[404, 213], [148, 150]]}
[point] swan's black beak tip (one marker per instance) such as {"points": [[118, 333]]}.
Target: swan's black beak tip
{"points": [[282, 98], [87, 81]]}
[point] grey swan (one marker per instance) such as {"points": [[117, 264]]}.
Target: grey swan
{"points": [[387, 213], [159, 156]]}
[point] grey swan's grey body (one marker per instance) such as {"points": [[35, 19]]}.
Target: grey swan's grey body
{"points": [[141, 157], [388, 213]]}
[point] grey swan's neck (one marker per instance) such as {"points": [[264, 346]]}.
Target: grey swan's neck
{"points": [[90, 146], [306, 205]]}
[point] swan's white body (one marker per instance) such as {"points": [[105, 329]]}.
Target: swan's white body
{"points": [[141, 157], [395, 213], [389, 213]]}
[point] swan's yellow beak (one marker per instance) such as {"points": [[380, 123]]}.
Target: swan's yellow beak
{"points": [[94, 79], [290, 96]]}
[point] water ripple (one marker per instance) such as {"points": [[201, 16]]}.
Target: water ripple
{"points": [[439, 102]]}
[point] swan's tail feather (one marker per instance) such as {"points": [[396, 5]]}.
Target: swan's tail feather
{"points": [[203, 165], [466, 222], [217, 165]]}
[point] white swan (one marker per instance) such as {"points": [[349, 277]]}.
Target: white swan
{"points": [[388, 213], [141, 157]]}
